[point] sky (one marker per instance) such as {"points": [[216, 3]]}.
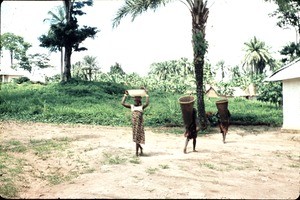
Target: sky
{"points": [[153, 36]]}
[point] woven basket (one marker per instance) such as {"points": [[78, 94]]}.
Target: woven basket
{"points": [[222, 106], [187, 105]]}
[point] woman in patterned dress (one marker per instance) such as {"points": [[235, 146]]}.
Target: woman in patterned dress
{"points": [[137, 109]]}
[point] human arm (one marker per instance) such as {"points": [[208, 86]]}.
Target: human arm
{"points": [[124, 99], [147, 98], [147, 101]]}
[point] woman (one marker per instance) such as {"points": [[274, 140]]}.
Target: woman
{"points": [[137, 109], [191, 131]]}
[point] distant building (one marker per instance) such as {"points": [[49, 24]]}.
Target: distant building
{"points": [[211, 91], [290, 77], [7, 76], [248, 93]]}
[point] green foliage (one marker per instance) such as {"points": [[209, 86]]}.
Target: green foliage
{"points": [[17, 48], [22, 80], [68, 34], [257, 56], [116, 69], [99, 103], [10, 168], [209, 74], [287, 13], [254, 112], [271, 92], [291, 52], [225, 88], [200, 45]]}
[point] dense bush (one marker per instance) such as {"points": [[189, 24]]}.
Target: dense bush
{"points": [[22, 80], [271, 92]]}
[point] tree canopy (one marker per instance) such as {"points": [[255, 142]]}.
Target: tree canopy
{"points": [[68, 34]]}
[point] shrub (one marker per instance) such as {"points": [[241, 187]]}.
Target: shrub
{"points": [[21, 80], [271, 92]]}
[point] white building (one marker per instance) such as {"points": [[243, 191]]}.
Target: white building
{"points": [[290, 77], [9, 75]]}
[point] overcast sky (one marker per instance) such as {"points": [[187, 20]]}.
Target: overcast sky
{"points": [[154, 36]]}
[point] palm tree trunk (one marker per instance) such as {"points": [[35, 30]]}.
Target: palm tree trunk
{"points": [[199, 17]]}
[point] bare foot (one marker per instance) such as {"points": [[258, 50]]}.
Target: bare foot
{"points": [[184, 150], [195, 150]]}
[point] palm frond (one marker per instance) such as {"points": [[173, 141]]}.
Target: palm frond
{"points": [[135, 8]]}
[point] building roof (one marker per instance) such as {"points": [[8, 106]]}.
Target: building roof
{"points": [[10, 72], [289, 71]]}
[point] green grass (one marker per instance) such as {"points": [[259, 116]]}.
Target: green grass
{"points": [[164, 166], [43, 147], [135, 160], [10, 168], [111, 159], [151, 170], [99, 103]]}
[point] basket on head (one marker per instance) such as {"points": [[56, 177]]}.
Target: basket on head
{"points": [[137, 93], [222, 106], [187, 105]]}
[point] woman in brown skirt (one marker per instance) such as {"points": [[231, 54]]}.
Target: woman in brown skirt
{"points": [[137, 109], [191, 131]]}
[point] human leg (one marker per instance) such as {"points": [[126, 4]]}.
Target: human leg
{"points": [[185, 146], [141, 149], [194, 144], [137, 149]]}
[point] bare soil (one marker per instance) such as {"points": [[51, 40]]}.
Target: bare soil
{"points": [[257, 162]]}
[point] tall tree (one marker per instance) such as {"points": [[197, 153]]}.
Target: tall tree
{"points": [[116, 69], [257, 56], [58, 16], [288, 15], [69, 35], [16, 46], [221, 65], [0, 37], [199, 12]]}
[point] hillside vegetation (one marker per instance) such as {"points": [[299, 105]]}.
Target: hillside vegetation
{"points": [[99, 103]]}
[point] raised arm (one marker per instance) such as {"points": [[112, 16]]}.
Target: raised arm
{"points": [[147, 102], [124, 99]]}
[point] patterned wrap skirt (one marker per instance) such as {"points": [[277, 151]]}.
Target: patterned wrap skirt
{"points": [[138, 132]]}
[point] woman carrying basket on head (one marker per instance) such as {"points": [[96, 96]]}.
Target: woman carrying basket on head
{"points": [[137, 120]]}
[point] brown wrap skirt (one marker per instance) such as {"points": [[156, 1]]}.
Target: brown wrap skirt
{"points": [[138, 132]]}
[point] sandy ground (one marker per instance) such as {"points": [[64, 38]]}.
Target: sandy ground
{"points": [[99, 162]]}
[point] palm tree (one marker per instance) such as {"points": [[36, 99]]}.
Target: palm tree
{"points": [[257, 56], [57, 17], [199, 12], [221, 65], [91, 65]]}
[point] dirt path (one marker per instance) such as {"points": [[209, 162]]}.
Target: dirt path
{"points": [[99, 162]]}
